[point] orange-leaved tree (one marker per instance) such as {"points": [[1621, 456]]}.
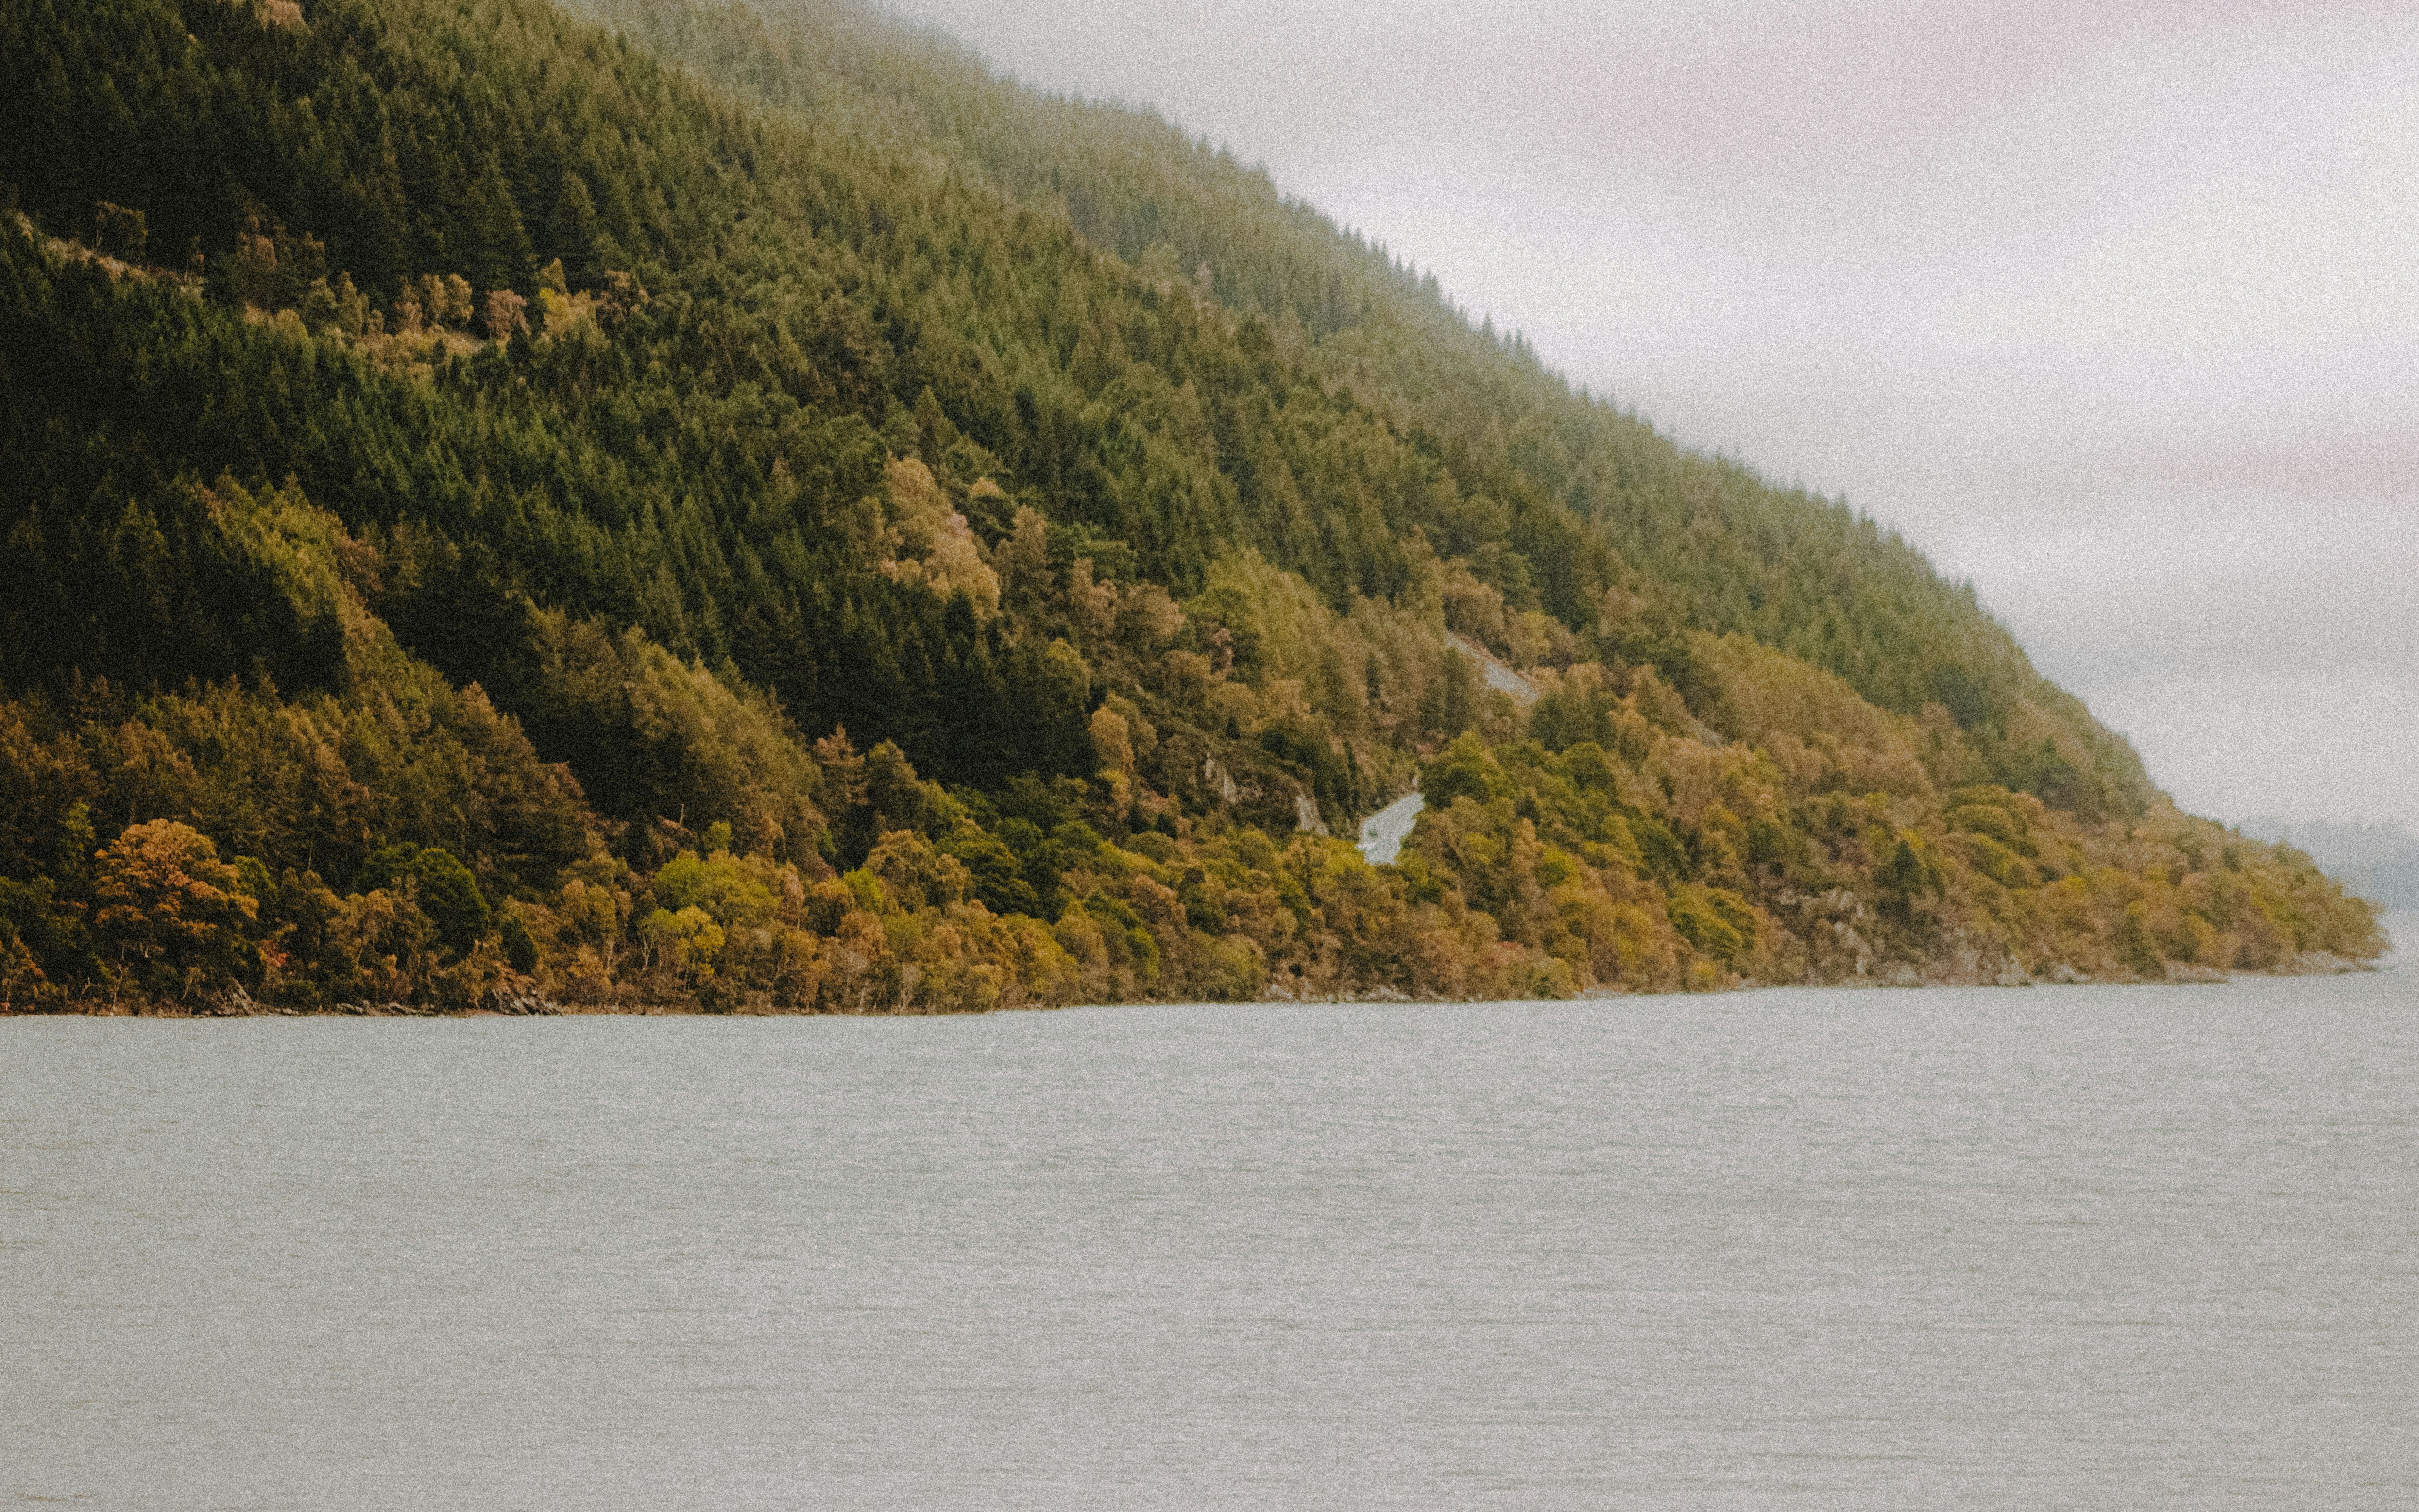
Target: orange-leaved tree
{"points": [[173, 910]]}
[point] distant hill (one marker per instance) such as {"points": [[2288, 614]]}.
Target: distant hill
{"points": [[2379, 862], [741, 507]]}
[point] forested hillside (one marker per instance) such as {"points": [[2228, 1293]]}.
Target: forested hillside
{"points": [[702, 505]]}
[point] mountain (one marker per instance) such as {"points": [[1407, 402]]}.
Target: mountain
{"points": [[2379, 862], [741, 507]]}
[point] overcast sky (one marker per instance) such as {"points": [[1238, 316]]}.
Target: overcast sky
{"points": [[2112, 308]]}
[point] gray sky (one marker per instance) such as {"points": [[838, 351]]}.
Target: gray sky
{"points": [[2114, 309]]}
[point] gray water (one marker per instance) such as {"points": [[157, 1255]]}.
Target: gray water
{"points": [[2057, 1247]]}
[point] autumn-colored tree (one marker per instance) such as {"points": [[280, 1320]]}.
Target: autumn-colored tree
{"points": [[173, 914], [914, 875], [20, 975], [506, 314]]}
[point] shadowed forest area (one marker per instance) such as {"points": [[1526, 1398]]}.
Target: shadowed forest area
{"points": [[683, 506]]}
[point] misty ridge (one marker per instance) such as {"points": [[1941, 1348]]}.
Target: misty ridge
{"points": [[743, 509]]}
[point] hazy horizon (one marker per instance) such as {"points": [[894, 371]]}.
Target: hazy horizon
{"points": [[2109, 314]]}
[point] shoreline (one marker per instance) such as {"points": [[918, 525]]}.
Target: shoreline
{"points": [[2317, 963]]}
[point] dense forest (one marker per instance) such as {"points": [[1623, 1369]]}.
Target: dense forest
{"points": [[692, 505]]}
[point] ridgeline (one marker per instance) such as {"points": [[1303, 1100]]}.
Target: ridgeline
{"points": [[688, 505]]}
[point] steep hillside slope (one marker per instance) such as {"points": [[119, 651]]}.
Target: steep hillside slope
{"points": [[752, 510], [1698, 537]]}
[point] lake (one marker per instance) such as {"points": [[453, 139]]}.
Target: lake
{"points": [[2048, 1247]]}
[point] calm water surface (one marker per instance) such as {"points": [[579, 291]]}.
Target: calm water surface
{"points": [[2075, 1247]]}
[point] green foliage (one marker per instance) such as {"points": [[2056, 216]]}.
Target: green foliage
{"points": [[443, 888], [728, 889], [751, 508], [1465, 770], [1716, 921], [520, 946]]}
